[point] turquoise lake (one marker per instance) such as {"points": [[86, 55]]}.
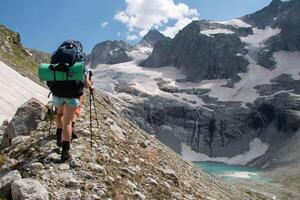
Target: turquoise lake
{"points": [[232, 172]]}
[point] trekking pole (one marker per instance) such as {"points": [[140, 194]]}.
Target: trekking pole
{"points": [[91, 128], [96, 114], [51, 119], [95, 108]]}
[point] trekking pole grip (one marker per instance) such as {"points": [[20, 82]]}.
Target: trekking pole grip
{"points": [[90, 74]]}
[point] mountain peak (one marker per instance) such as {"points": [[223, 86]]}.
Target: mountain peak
{"points": [[152, 37]]}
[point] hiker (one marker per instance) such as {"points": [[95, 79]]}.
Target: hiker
{"points": [[67, 93]]}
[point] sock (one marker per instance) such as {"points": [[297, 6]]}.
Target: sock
{"points": [[58, 136], [59, 131]]}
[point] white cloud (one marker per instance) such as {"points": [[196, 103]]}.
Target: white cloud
{"points": [[143, 15], [104, 24], [132, 37]]}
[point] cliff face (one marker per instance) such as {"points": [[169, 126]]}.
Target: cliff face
{"points": [[109, 52], [151, 38]]}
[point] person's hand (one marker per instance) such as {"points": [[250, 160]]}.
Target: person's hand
{"points": [[92, 87]]}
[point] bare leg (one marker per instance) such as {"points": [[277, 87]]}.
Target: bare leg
{"points": [[58, 120], [67, 122]]}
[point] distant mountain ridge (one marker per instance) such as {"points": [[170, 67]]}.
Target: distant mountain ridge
{"points": [[14, 54], [217, 55], [114, 52]]}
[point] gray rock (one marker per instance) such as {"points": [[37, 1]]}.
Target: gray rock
{"points": [[116, 129], [176, 196], [6, 167], [151, 38], [6, 181], [170, 174], [54, 157], [109, 52], [167, 185], [34, 166], [69, 180], [128, 171], [143, 144], [152, 181], [19, 139], [83, 132], [26, 189], [131, 185], [96, 167], [139, 195], [64, 166], [26, 119], [74, 195]]}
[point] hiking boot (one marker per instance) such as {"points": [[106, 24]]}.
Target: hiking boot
{"points": [[58, 137], [65, 153]]}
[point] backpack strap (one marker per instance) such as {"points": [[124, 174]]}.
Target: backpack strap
{"points": [[61, 67]]}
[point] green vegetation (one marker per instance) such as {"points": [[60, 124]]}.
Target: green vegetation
{"points": [[13, 53], [2, 159]]}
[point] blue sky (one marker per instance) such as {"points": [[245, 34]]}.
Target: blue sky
{"points": [[44, 24]]}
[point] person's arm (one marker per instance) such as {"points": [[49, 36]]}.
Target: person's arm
{"points": [[87, 79]]}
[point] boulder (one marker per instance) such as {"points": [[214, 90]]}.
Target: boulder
{"points": [[26, 189], [26, 119], [6, 181]]}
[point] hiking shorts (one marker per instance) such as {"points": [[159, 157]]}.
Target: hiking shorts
{"points": [[59, 101]]}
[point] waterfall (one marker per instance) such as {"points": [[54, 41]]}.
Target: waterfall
{"points": [[196, 133]]}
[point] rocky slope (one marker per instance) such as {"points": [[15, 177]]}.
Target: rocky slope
{"points": [[123, 163], [16, 56]]}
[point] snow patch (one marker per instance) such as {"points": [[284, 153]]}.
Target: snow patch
{"points": [[216, 31], [142, 78], [16, 90], [256, 149], [260, 35], [235, 22]]}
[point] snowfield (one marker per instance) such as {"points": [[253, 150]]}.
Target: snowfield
{"points": [[16, 90], [211, 32], [235, 22], [260, 35]]}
